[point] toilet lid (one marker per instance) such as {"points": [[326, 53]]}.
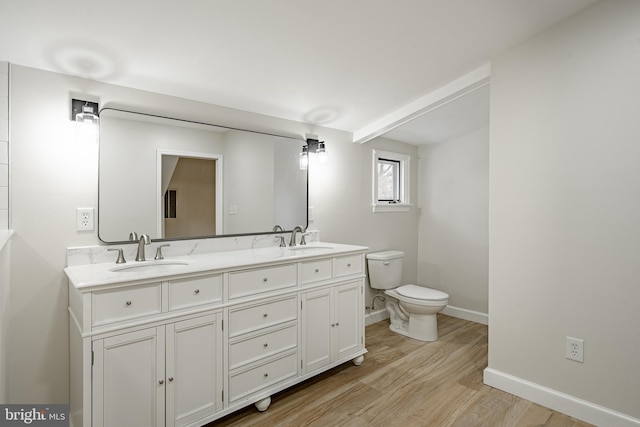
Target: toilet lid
{"points": [[420, 292]]}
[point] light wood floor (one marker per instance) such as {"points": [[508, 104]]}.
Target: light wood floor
{"points": [[404, 382]]}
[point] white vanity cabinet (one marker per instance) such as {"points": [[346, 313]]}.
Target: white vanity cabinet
{"points": [[332, 324], [189, 347], [168, 375]]}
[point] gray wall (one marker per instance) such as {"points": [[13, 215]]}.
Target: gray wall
{"points": [[53, 173], [453, 245], [565, 207]]}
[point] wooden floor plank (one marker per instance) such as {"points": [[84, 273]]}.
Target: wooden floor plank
{"points": [[404, 382]]}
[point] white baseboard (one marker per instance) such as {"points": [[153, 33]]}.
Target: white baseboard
{"points": [[463, 313], [558, 401], [460, 313], [375, 316]]}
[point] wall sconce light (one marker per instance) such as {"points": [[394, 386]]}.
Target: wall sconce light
{"points": [[313, 146], [84, 112]]}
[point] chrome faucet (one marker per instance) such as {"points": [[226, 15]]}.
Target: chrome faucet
{"points": [[293, 235], [144, 240]]}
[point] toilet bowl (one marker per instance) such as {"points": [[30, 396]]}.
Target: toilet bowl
{"points": [[412, 309]]}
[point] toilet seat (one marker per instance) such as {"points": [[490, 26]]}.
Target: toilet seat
{"points": [[422, 293]]}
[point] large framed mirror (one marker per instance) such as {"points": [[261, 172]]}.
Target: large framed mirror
{"points": [[177, 179]]}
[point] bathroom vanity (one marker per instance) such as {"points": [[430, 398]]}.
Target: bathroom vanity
{"points": [[187, 340]]}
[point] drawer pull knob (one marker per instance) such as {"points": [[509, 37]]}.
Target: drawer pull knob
{"points": [[128, 302], [266, 375], [265, 280], [170, 379], [265, 345], [337, 324], [333, 325], [161, 382], [265, 315], [349, 265], [317, 270], [197, 291]]}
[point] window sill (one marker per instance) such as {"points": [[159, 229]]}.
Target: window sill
{"points": [[392, 208]]}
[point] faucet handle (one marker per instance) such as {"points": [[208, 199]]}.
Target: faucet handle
{"points": [[120, 259], [133, 236], [302, 238], [159, 251], [282, 242]]}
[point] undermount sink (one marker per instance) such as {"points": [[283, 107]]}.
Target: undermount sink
{"points": [[148, 266], [310, 248]]}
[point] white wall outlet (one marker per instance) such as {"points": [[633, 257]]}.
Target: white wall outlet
{"points": [[84, 219], [575, 349]]}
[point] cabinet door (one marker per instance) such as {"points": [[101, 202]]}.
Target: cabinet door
{"points": [[316, 329], [128, 379], [348, 314], [194, 369]]}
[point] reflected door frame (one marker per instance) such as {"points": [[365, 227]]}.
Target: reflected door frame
{"points": [[160, 194]]}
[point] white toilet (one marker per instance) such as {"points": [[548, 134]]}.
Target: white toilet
{"points": [[412, 309]]}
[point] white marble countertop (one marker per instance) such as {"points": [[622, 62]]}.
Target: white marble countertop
{"points": [[92, 275]]}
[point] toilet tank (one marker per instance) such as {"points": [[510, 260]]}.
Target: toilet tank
{"points": [[385, 269]]}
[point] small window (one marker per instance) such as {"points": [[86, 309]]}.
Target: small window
{"points": [[390, 182]]}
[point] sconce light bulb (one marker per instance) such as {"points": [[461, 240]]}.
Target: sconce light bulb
{"points": [[304, 158], [321, 152], [87, 116]]}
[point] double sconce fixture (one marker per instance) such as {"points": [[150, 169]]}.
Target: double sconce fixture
{"points": [[84, 112], [316, 147]]}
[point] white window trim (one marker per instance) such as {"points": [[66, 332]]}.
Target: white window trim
{"points": [[405, 184]]}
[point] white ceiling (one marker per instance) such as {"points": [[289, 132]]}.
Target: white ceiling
{"points": [[338, 63], [452, 120]]}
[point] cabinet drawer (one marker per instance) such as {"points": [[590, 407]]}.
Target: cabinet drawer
{"points": [[347, 265], [252, 380], [315, 271], [123, 304], [248, 282], [194, 291], [258, 316], [258, 347]]}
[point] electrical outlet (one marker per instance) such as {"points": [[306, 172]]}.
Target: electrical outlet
{"points": [[575, 349], [84, 219]]}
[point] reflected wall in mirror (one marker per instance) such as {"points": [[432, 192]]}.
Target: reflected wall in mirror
{"points": [[175, 179]]}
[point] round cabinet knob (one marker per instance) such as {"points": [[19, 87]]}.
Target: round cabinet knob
{"points": [[266, 375], [349, 265], [265, 345], [128, 303], [161, 382], [197, 291], [265, 280], [265, 315], [170, 379], [317, 270]]}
